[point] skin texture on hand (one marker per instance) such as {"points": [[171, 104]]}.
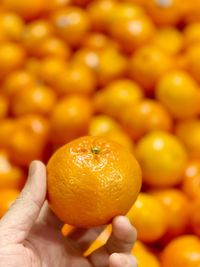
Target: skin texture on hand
{"points": [[30, 234]]}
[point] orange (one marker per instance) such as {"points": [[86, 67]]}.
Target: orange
{"points": [[35, 33], [175, 42], [76, 79], [148, 64], [56, 4], [105, 126], [177, 208], [16, 81], [7, 197], [117, 96], [132, 33], [71, 23], [100, 13], [89, 175], [195, 217], [191, 179], [145, 258], [52, 47], [35, 124], [192, 34], [7, 128], [70, 118], [182, 251], [11, 27], [3, 106], [149, 218], [33, 65], [101, 125], [166, 12], [193, 59], [112, 65], [179, 93], [98, 41], [49, 69], [87, 57], [28, 10], [145, 116], [162, 158], [188, 132], [11, 177], [26, 145], [81, 3], [38, 99], [12, 56], [192, 12]]}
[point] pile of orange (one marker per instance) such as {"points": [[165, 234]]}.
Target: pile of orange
{"points": [[125, 70]]}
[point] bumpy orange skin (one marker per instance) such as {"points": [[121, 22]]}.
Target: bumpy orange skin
{"points": [[183, 251], [145, 116], [191, 179], [7, 197], [177, 208], [84, 182]]}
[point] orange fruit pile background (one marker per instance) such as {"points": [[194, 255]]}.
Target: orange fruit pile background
{"points": [[126, 70]]}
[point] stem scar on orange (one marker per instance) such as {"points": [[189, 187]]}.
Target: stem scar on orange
{"points": [[91, 180]]}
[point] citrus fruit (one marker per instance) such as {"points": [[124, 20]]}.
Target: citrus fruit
{"points": [[188, 132], [11, 177], [174, 37], [7, 197], [71, 23], [179, 93], [100, 13], [117, 96], [144, 116], [132, 33], [12, 56], [191, 179], [16, 81], [193, 59], [11, 26], [162, 158], [38, 99], [76, 79], [182, 251], [177, 207], [148, 64], [89, 175], [150, 227], [28, 10], [192, 34], [70, 118], [145, 258]]}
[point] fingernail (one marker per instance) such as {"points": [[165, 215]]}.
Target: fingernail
{"points": [[32, 168]]}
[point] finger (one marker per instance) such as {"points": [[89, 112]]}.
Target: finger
{"points": [[18, 221], [122, 260], [121, 241], [83, 238], [49, 218], [123, 236]]}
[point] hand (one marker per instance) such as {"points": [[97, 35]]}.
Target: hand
{"points": [[30, 234]]}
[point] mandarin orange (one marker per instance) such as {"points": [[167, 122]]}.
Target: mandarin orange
{"points": [[7, 197], [89, 175]]}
